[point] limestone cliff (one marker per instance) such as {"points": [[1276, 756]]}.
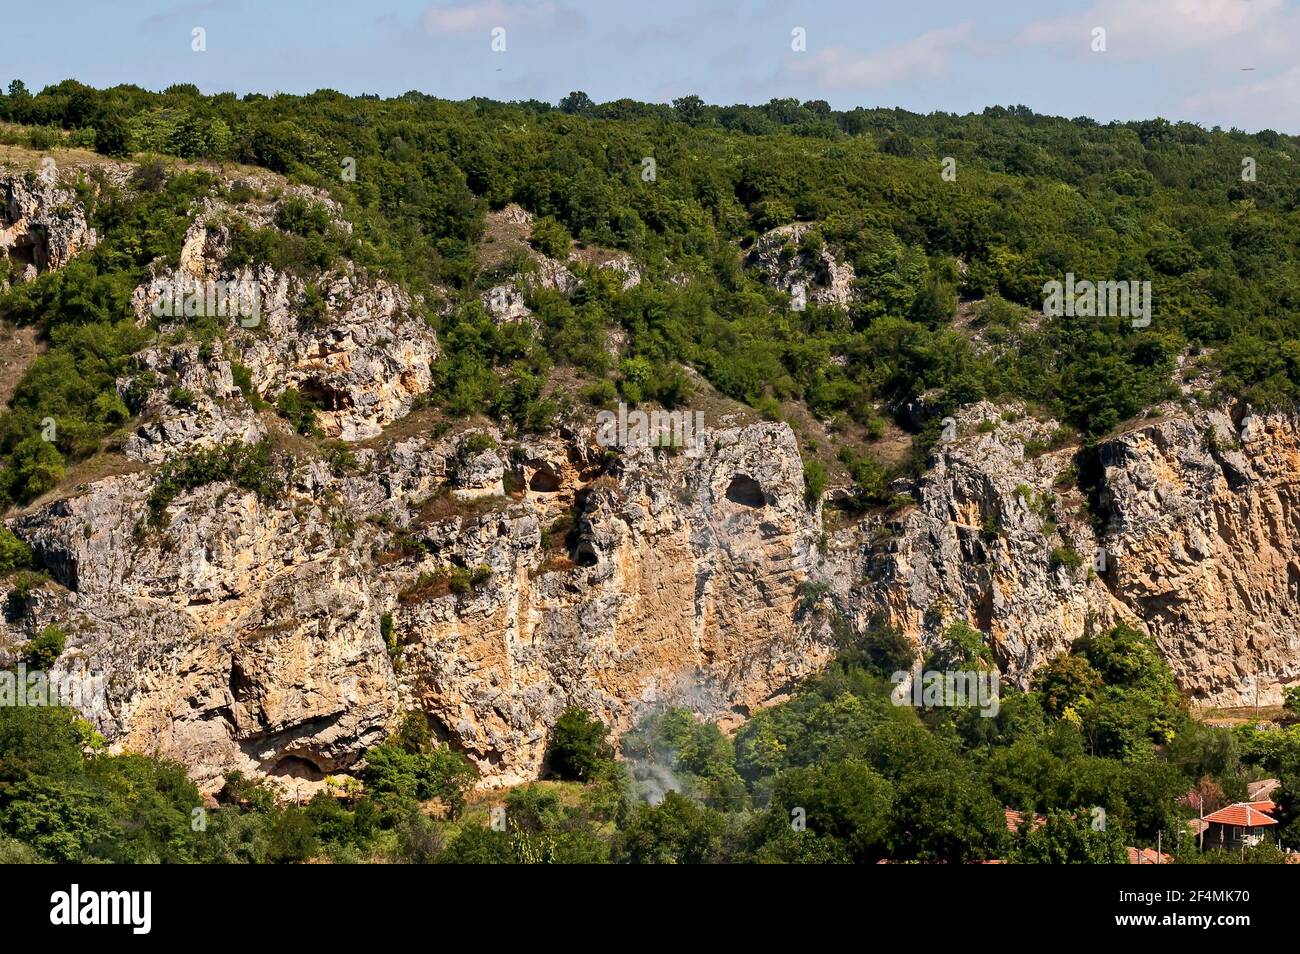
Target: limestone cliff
{"points": [[491, 581]]}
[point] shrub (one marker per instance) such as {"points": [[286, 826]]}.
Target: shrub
{"points": [[814, 482], [579, 745], [44, 648], [298, 411], [14, 553], [1065, 556], [551, 238], [246, 466]]}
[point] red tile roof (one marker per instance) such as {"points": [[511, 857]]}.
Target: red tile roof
{"points": [[1242, 815], [1015, 819], [1149, 856]]}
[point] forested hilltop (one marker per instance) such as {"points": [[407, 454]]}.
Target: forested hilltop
{"points": [[686, 189], [330, 590]]}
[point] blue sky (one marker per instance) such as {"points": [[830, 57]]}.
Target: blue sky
{"points": [[1217, 62]]}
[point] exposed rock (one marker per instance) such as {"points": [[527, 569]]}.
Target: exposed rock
{"points": [[1199, 549], [1207, 549], [42, 225], [214, 411], [245, 633], [784, 265], [978, 549], [521, 576]]}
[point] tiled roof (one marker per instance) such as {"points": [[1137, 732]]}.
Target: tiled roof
{"points": [[1149, 856], [1242, 815], [1262, 789], [1015, 818]]}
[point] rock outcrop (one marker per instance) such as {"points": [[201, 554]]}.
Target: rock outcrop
{"points": [[244, 633], [1194, 539], [279, 619], [816, 274], [42, 225]]}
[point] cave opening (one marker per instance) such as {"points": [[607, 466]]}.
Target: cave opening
{"points": [[544, 481], [299, 767], [746, 491]]}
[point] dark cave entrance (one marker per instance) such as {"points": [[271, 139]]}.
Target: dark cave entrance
{"points": [[746, 491]]}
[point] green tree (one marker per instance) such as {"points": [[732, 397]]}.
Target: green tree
{"points": [[579, 744], [676, 831]]}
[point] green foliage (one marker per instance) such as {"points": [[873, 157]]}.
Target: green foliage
{"points": [[946, 816], [44, 648], [886, 651], [393, 772], [1039, 196], [696, 755], [551, 238], [248, 467], [676, 831], [290, 837], [961, 646], [845, 803], [1065, 556], [1065, 838], [70, 807], [1290, 695], [477, 845], [1067, 683], [579, 744], [14, 553], [298, 411], [814, 482]]}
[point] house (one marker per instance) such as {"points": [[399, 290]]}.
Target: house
{"points": [[1149, 856], [1015, 819], [1264, 788], [1240, 825]]}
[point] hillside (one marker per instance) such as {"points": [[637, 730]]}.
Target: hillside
{"points": [[304, 460]]}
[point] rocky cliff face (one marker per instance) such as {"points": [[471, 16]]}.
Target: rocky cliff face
{"points": [[250, 634], [491, 582], [1196, 544], [42, 226]]}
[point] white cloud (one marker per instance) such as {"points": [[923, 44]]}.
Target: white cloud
{"points": [[1147, 27], [1272, 102], [486, 14], [924, 55]]}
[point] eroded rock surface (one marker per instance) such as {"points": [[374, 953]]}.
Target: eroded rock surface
{"points": [[491, 581], [42, 225]]}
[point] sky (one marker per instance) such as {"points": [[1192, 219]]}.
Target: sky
{"points": [[1229, 63]]}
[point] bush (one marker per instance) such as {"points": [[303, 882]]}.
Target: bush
{"points": [[439, 774], [43, 649], [290, 837], [1065, 556], [579, 745], [14, 553], [248, 467], [298, 411], [551, 238], [1291, 700], [814, 482]]}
